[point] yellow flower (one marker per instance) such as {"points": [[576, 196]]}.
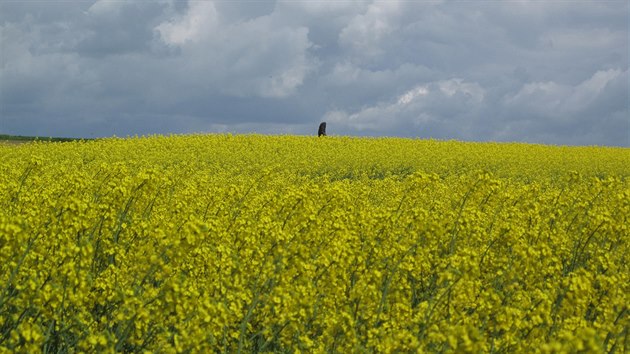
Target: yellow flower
{"points": [[230, 243]]}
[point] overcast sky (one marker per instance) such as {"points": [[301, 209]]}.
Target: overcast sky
{"points": [[551, 72]]}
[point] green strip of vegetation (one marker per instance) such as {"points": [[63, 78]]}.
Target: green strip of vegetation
{"points": [[21, 138]]}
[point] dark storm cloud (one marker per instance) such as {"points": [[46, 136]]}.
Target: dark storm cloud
{"points": [[552, 72], [113, 29]]}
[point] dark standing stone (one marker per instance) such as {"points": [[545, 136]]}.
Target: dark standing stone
{"points": [[322, 129]]}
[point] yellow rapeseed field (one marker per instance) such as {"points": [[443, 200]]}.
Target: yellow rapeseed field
{"points": [[253, 243]]}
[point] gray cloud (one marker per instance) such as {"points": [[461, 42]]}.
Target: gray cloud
{"points": [[115, 28], [550, 72]]}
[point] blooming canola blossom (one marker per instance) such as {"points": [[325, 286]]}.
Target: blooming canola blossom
{"points": [[230, 243]]}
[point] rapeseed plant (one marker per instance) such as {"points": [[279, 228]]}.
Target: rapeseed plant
{"points": [[286, 243]]}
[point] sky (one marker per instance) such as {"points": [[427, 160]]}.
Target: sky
{"points": [[551, 72]]}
